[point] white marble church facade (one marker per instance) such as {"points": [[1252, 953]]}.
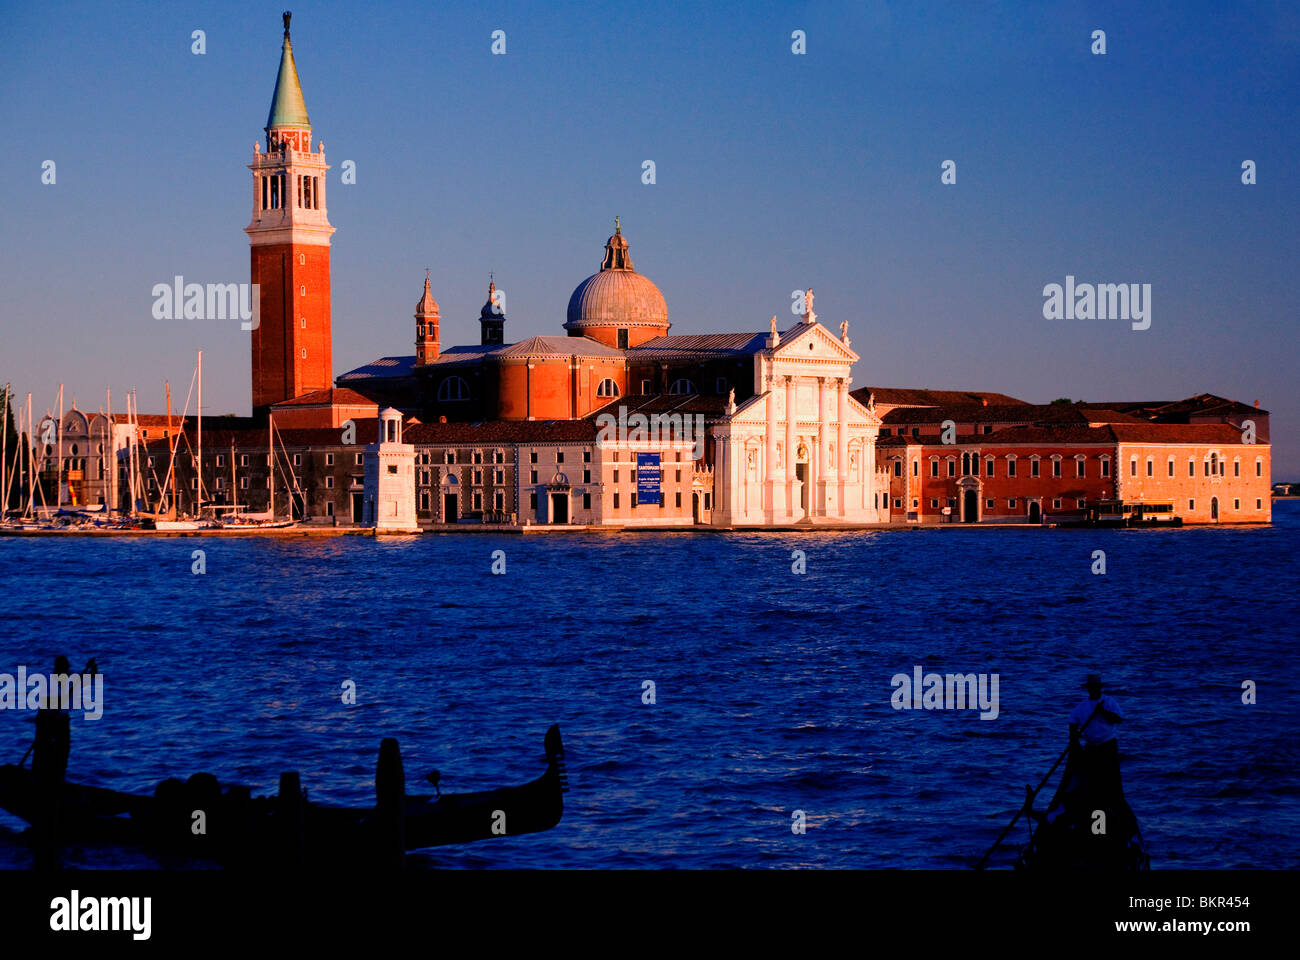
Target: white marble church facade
{"points": [[802, 449]]}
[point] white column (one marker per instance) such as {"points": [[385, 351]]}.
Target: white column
{"points": [[842, 442], [825, 476], [790, 472]]}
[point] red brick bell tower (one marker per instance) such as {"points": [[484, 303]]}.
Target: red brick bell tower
{"points": [[290, 239]]}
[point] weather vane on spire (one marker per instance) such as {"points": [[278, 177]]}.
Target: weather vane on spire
{"points": [[286, 15]]}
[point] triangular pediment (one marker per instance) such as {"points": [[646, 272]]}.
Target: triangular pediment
{"points": [[825, 345]]}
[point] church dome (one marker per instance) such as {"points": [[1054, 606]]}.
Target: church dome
{"points": [[617, 298]]}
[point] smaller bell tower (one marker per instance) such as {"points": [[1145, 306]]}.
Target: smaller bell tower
{"points": [[426, 327], [492, 318]]}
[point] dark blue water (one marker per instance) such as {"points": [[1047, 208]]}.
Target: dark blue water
{"points": [[773, 688]]}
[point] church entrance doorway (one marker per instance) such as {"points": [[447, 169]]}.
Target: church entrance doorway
{"points": [[559, 508], [970, 507]]}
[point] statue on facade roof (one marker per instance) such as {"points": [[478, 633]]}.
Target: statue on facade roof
{"points": [[809, 316]]}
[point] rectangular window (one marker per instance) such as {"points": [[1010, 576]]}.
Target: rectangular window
{"points": [[1011, 503], [1011, 468], [221, 460], [243, 483], [329, 508], [559, 456], [934, 504], [1079, 468], [616, 474], [392, 468], [988, 504], [478, 456], [1171, 468], [499, 501], [1259, 504], [645, 386], [297, 459], [1056, 468], [634, 499], [615, 499], [532, 456], [952, 468], [586, 501], [243, 460], [934, 468], [1259, 467], [356, 460], [1151, 466], [898, 503], [586, 456], [916, 468], [898, 468], [329, 483], [424, 500], [988, 428], [1236, 504], [221, 482], [1105, 468], [532, 501], [1236, 468], [1056, 504], [1132, 467], [586, 476], [500, 476], [478, 477], [1033, 468], [1191, 468], [329, 459], [679, 498], [532, 476], [988, 467], [478, 501], [1080, 503]]}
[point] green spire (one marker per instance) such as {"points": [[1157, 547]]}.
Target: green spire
{"points": [[287, 106]]}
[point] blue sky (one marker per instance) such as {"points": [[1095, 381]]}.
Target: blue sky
{"points": [[774, 172]]}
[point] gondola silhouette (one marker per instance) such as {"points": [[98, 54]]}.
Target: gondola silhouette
{"points": [[238, 828]]}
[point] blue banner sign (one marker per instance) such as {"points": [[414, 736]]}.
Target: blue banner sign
{"points": [[647, 478]]}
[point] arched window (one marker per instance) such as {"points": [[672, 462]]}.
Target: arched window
{"points": [[607, 388], [453, 388], [682, 385]]}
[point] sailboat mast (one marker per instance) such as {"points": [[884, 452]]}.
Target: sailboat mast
{"points": [[31, 472], [198, 508], [4, 455], [58, 442], [110, 457], [171, 507], [270, 456]]}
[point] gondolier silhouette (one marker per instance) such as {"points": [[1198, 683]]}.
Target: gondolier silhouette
{"points": [[1092, 729]]}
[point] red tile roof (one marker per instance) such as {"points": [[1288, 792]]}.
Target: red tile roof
{"points": [[327, 397]]}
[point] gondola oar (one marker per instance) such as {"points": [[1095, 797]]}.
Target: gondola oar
{"points": [[1031, 794]]}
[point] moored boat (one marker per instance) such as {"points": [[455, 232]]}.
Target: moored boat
{"points": [[242, 829]]}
